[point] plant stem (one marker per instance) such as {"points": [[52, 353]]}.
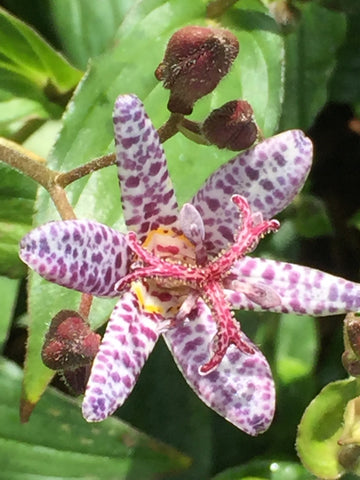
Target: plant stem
{"points": [[217, 7], [62, 204], [35, 167], [26, 162], [85, 305], [64, 179], [170, 127]]}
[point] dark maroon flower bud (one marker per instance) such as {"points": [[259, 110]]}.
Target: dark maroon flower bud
{"points": [[76, 379], [195, 61], [69, 343], [231, 126]]}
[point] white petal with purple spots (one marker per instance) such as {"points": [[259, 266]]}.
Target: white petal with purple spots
{"points": [[146, 189], [268, 175], [301, 290], [128, 341], [241, 388], [78, 254]]}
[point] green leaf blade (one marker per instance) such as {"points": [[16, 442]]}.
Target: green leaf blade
{"points": [[41, 447]]}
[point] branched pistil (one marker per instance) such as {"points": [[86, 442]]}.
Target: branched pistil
{"points": [[206, 280]]}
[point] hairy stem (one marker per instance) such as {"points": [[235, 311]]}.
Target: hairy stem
{"points": [[217, 7], [85, 305], [64, 179], [26, 162], [170, 127], [61, 202], [35, 167]]}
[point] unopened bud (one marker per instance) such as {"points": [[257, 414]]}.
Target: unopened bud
{"points": [[349, 457], [69, 342], [285, 14], [231, 126], [195, 61], [351, 363], [351, 356], [352, 325]]}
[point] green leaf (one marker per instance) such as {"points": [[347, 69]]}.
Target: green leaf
{"points": [[23, 51], [322, 426], [344, 85], [355, 220], [346, 6], [88, 132], [171, 412], [266, 470], [33, 76], [311, 54], [8, 292], [58, 443], [295, 360], [16, 215], [81, 33], [311, 217]]}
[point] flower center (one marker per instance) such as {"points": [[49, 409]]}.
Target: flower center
{"points": [[168, 258]]}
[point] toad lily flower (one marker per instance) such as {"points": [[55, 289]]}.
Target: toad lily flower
{"points": [[180, 274]]}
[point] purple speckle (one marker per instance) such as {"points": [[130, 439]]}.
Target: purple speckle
{"points": [[252, 173]]}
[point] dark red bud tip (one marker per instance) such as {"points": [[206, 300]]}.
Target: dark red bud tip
{"points": [[195, 61], [231, 126], [69, 343], [76, 379]]}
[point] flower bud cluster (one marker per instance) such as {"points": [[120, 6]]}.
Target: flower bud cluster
{"points": [[195, 61]]}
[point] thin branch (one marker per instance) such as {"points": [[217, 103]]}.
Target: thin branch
{"points": [[217, 7], [64, 179], [170, 128], [62, 204], [85, 305], [26, 162]]}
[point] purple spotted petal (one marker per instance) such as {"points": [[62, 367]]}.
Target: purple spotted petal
{"points": [[241, 389], [269, 175], [78, 254], [128, 341], [147, 192], [301, 290]]}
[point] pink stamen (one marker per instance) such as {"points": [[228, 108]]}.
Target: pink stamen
{"points": [[206, 280]]}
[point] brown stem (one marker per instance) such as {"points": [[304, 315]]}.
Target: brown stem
{"points": [[26, 162], [170, 127], [64, 179], [58, 196], [85, 305], [192, 130], [35, 167], [217, 7], [194, 127]]}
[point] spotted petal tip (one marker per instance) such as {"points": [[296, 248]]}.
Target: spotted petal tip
{"points": [[241, 389], [128, 341], [301, 290], [268, 175], [79, 254], [147, 194]]}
